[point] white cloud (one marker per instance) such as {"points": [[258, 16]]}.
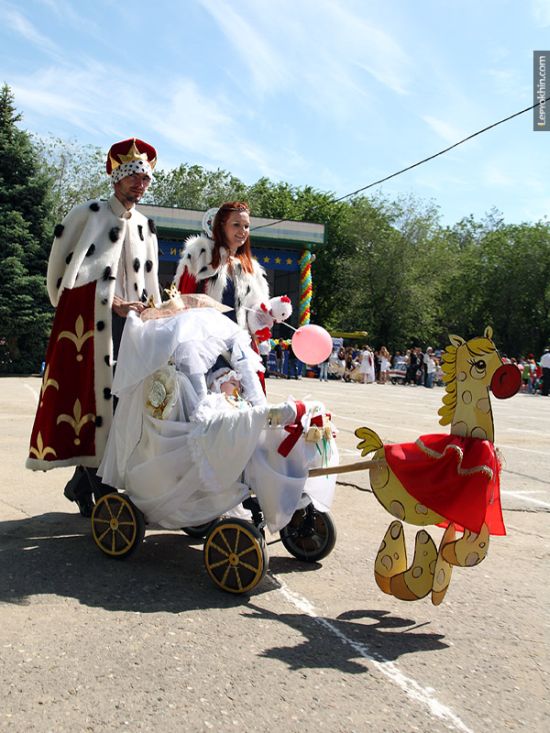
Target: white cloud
{"points": [[207, 128], [191, 120], [317, 51], [541, 12], [66, 13], [444, 181], [494, 175], [372, 49], [508, 82], [97, 100], [264, 61], [78, 97], [444, 130], [18, 23]]}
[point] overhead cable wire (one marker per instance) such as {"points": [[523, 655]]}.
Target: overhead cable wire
{"points": [[420, 162]]}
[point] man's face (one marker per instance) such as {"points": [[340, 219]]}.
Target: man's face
{"points": [[130, 189]]}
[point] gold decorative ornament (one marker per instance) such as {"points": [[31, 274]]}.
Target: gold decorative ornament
{"points": [[77, 420], [160, 392], [78, 337], [40, 452], [47, 382]]}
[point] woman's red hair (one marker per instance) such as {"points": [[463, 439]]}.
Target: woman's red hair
{"points": [[244, 253]]}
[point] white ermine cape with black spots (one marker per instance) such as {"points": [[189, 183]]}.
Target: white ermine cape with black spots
{"points": [[75, 411], [251, 289]]}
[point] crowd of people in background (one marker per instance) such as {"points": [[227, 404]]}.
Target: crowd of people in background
{"points": [[368, 366], [535, 375], [414, 367]]}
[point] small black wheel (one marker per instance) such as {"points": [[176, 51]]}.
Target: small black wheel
{"points": [[118, 526], [235, 555], [310, 535], [199, 531]]}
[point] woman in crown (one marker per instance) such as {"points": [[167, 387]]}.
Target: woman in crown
{"points": [[222, 266]]}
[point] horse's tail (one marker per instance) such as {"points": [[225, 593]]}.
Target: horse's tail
{"points": [[369, 440]]}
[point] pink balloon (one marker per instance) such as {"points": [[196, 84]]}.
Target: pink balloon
{"points": [[312, 344]]}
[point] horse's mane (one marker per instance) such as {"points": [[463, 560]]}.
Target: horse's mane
{"points": [[477, 346]]}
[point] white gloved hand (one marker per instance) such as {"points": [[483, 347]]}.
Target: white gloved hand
{"points": [[283, 414]]}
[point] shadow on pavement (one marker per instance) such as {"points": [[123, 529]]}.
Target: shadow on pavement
{"points": [[283, 565], [55, 554], [383, 638]]}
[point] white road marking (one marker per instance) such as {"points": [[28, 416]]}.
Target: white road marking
{"points": [[34, 391], [348, 452], [384, 426], [505, 446], [372, 422], [522, 430], [422, 695], [524, 497]]}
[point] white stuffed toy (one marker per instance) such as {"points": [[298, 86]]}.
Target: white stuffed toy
{"points": [[262, 317]]}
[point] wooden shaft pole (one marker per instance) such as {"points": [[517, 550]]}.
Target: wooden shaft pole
{"points": [[347, 468]]}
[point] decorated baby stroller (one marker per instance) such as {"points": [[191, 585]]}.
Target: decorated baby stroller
{"points": [[185, 452]]}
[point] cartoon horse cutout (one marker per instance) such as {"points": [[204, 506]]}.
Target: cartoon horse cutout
{"points": [[452, 480]]}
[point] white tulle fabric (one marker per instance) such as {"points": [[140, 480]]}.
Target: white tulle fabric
{"points": [[205, 456], [193, 340]]}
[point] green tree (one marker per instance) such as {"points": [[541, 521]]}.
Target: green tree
{"points": [[516, 277], [193, 187], [25, 315], [286, 202], [389, 278], [499, 275], [75, 173]]}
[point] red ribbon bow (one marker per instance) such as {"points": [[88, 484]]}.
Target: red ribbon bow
{"points": [[263, 334], [296, 429]]}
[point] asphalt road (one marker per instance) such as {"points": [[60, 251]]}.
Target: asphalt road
{"points": [[149, 644]]}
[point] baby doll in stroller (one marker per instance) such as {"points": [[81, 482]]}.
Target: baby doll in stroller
{"points": [[195, 445]]}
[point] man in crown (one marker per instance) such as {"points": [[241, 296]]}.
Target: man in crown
{"points": [[103, 264]]}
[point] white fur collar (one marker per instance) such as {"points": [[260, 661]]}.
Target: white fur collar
{"points": [[250, 288]]}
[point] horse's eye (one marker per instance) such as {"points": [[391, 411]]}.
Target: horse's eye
{"points": [[480, 365]]}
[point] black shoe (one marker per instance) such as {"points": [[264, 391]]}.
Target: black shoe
{"points": [[71, 489], [78, 492], [86, 505]]}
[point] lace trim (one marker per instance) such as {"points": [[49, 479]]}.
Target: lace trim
{"points": [[460, 454]]}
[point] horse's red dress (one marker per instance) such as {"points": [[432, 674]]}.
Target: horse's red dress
{"points": [[454, 476]]}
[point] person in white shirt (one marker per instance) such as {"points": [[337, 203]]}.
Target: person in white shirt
{"points": [[429, 367], [545, 366], [265, 350]]}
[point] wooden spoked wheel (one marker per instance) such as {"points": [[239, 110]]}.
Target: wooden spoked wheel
{"points": [[118, 526], [235, 555]]}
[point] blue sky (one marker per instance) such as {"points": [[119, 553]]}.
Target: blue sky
{"points": [[328, 93]]}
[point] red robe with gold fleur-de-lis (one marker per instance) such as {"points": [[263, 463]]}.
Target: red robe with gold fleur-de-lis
{"points": [[75, 409]]}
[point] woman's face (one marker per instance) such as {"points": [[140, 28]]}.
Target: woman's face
{"points": [[236, 229]]}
